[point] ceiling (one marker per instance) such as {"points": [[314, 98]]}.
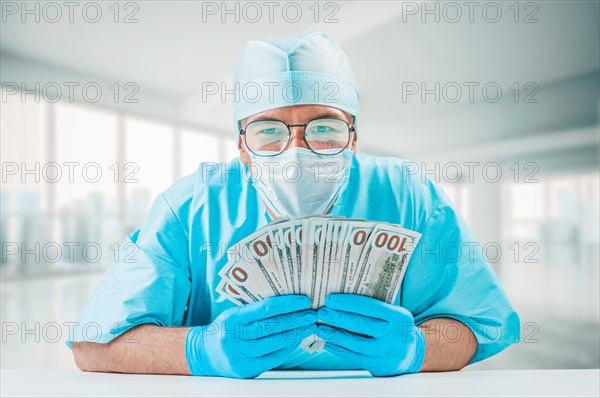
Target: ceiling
{"points": [[171, 51]]}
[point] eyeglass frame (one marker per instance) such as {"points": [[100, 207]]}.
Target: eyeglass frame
{"points": [[242, 132]]}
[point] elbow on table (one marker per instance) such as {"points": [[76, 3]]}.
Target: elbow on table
{"points": [[83, 356]]}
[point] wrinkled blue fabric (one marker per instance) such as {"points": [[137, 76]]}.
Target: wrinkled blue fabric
{"points": [[171, 279]]}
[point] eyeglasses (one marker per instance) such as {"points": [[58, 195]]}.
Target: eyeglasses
{"points": [[325, 136]]}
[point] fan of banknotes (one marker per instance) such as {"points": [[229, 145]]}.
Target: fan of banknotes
{"points": [[317, 256]]}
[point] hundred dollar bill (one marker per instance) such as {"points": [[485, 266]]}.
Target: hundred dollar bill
{"points": [[292, 253], [355, 240], [323, 248], [383, 262], [304, 265], [335, 258], [296, 246], [233, 294], [316, 237], [245, 277], [282, 253], [261, 249], [330, 259]]}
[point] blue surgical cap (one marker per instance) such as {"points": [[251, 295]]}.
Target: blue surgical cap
{"points": [[293, 70]]}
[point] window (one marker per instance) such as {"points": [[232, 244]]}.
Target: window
{"points": [[23, 147], [24, 201], [459, 196], [560, 214], [197, 147], [527, 201], [79, 173], [231, 149], [149, 167], [87, 137], [86, 207]]}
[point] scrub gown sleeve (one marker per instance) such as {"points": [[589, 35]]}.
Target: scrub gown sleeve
{"points": [[147, 283], [448, 276]]}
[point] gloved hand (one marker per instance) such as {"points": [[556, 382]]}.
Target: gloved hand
{"points": [[391, 344], [245, 341]]}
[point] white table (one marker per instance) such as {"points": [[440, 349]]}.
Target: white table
{"points": [[67, 383]]}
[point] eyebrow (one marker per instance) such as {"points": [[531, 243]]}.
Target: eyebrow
{"points": [[318, 115]]}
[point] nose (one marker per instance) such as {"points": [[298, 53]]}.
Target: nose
{"points": [[297, 140]]}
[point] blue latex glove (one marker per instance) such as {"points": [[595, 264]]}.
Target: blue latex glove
{"points": [[245, 341], [388, 342]]}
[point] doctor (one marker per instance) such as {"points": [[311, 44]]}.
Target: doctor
{"points": [[296, 103]]}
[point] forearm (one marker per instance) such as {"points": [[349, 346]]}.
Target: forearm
{"points": [[146, 348], [450, 345]]}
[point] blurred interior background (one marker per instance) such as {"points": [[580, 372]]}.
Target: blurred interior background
{"points": [[102, 111]]}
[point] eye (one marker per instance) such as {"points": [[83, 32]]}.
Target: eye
{"points": [[322, 129], [270, 131]]}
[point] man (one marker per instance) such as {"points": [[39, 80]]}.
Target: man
{"points": [[159, 312]]}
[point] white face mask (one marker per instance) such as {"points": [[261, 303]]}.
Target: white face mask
{"points": [[299, 182]]}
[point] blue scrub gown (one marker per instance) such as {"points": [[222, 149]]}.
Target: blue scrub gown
{"points": [[171, 279]]}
